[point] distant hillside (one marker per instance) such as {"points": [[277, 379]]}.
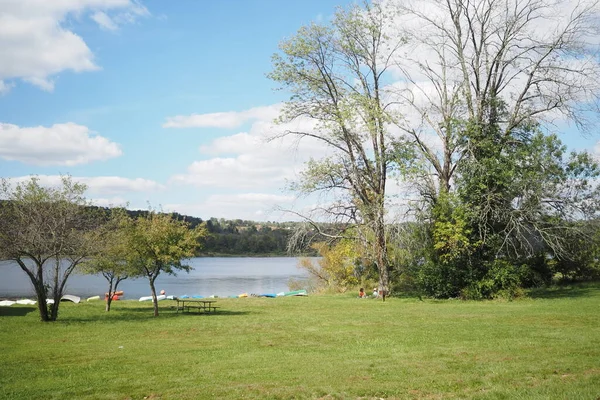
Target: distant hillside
{"points": [[240, 237]]}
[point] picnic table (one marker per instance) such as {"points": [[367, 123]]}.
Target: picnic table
{"points": [[205, 305]]}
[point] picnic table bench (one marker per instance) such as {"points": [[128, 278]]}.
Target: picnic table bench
{"points": [[205, 305]]}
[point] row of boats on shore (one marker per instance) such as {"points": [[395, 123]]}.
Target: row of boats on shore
{"points": [[119, 295], [301, 292]]}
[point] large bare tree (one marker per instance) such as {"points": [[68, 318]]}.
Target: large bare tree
{"points": [[469, 63]]}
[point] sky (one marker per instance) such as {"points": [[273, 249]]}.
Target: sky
{"points": [[151, 103], [155, 103]]}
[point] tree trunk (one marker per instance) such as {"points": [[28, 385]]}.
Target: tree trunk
{"points": [[381, 255], [110, 294], [42, 302], [154, 299], [54, 307], [39, 287]]}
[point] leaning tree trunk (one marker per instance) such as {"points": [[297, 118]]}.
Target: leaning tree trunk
{"points": [[59, 287], [54, 307], [111, 291], [154, 299], [37, 280]]}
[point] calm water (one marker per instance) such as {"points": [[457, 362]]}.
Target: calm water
{"points": [[210, 276]]}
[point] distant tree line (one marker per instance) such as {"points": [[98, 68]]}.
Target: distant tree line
{"points": [[239, 237]]}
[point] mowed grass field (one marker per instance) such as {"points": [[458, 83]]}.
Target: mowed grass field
{"points": [[317, 347]]}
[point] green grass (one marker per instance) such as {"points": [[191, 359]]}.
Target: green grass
{"points": [[328, 347]]}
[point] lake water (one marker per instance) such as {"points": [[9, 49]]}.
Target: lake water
{"points": [[218, 276]]}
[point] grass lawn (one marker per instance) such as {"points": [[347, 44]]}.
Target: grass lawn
{"points": [[323, 347]]}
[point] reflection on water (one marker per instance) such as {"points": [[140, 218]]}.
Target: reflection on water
{"points": [[210, 276]]}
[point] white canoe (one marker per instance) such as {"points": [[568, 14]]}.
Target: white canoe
{"points": [[6, 303], [26, 301], [70, 297], [149, 298]]}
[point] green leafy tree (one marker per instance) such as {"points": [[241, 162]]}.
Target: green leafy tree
{"points": [[110, 258], [486, 80], [47, 231], [337, 75], [519, 198], [157, 243], [337, 267]]}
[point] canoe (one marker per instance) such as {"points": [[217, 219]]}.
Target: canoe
{"points": [[118, 293], [70, 297], [26, 301], [7, 303], [301, 292], [242, 295], [185, 296], [93, 298], [197, 296], [272, 295], [149, 298], [280, 294]]}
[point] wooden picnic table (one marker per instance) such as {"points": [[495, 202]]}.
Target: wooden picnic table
{"points": [[205, 305]]}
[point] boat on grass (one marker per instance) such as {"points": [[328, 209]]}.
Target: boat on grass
{"points": [[71, 298], [301, 292]]}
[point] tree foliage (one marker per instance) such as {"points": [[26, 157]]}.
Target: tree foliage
{"points": [[467, 119], [336, 74], [110, 257], [47, 232], [157, 243], [339, 268]]}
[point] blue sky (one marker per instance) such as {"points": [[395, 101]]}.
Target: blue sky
{"points": [[118, 70], [153, 101]]}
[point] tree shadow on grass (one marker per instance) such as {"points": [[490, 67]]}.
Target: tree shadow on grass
{"points": [[16, 311], [145, 314], [567, 291]]}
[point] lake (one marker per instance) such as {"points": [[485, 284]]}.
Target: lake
{"points": [[219, 276]]}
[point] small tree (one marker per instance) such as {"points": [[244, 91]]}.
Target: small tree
{"points": [[110, 259], [158, 243], [338, 268], [47, 232]]}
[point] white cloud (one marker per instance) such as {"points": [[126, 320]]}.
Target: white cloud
{"points": [[248, 160], [108, 185], [5, 87], [101, 186], [596, 150], [250, 206], [35, 37], [60, 144], [106, 22], [109, 202], [230, 119]]}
